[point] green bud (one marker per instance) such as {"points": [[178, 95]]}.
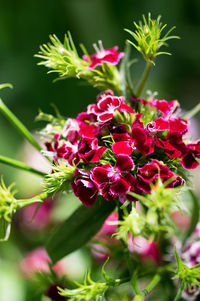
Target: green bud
{"points": [[8, 206], [148, 37], [60, 179], [133, 223]]}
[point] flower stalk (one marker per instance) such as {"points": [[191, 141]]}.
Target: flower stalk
{"points": [[147, 70], [20, 165], [18, 125]]}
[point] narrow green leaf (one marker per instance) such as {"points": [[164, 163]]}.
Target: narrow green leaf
{"points": [[78, 229]]}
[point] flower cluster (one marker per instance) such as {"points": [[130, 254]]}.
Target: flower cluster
{"points": [[116, 149]]}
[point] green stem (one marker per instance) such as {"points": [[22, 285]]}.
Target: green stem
{"points": [[179, 293], [156, 279], [20, 165], [144, 78], [37, 199], [138, 298], [18, 125]]}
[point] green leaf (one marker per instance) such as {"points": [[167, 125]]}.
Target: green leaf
{"points": [[78, 229], [195, 216]]}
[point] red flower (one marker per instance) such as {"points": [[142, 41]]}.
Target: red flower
{"points": [[110, 179], [175, 148], [88, 130], [84, 188], [140, 138], [159, 124], [154, 170], [172, 125], [143, 141], [167, 108], [110, 56], [120, 133], [89, 151], [106, 106], [66, 151]]}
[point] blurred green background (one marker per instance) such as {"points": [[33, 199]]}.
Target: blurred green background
{"points": [[25, 25]]}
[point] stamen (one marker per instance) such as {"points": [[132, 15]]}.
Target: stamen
{"points": [[96, 48], [101, 45]]}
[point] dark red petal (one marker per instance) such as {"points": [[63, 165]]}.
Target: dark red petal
{"points": [[106, 192], [122, 147], [98, 154], [145, 187], [100, 174], [85, 190], [124, 163], [139, 136], [148, 172], [119, 186], [189, 162]]}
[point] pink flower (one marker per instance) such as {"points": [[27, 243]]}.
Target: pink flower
{"points": [[84, 188], [111, 180], [99, 251], [89, 151], [38, 261], [108, 228], [110, 56], [37, 218], [148, 251]]}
